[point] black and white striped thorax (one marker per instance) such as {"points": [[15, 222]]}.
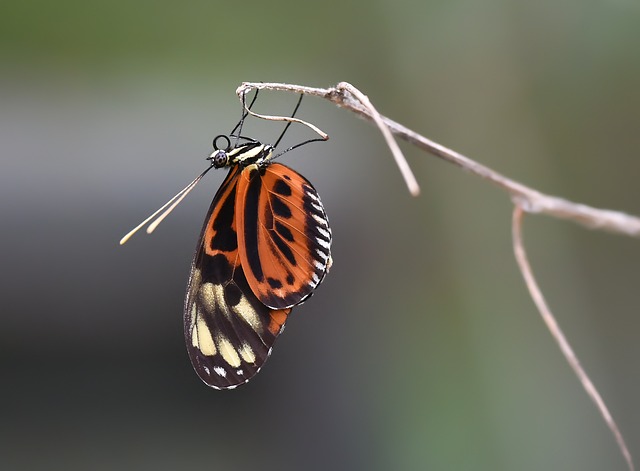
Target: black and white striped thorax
{"points": [[244, 154]]}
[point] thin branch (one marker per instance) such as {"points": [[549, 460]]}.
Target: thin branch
{"points": [[525, 199], [401, 162], [530, 200], [363, 101], [558, 335]]}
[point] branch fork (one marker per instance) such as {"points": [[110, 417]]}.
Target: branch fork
{"points": [[524, 198]]}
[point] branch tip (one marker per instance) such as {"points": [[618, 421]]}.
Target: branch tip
{"points": [[557, 334]]}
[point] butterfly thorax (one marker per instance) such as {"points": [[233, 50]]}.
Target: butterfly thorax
{"points": [[244, 155]]}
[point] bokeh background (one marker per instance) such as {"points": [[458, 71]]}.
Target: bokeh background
{"points": [[422, 349]]}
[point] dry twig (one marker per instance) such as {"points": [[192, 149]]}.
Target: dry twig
{"points": [[525, 199], [532, 201], [558, 335]]}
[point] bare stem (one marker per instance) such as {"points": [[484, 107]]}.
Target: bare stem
{"points": [[558, 335], [530, 200]]}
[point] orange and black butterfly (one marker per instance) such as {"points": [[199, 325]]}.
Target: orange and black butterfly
{"points": [[264, 248]]}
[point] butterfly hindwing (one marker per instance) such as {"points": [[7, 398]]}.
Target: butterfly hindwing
{"points": [[228, 331], [284, 237]]}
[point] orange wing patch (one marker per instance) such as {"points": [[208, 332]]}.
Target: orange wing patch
{"points": [[219, 232], [284, 238]]}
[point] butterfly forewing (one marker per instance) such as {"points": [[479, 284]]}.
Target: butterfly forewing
{"points": [[229, 332], [284, 237]]}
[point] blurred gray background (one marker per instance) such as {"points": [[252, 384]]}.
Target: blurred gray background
{"points": [[422, 349]]}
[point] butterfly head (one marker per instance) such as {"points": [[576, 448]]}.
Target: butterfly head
{"points": [[219, 158]]}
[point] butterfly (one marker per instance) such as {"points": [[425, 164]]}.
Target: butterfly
{"points": [[264, 248]]}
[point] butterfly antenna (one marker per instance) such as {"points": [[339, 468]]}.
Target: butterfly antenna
{"points": [[317, 139], [293, 115], [245, 113], [169, 205]]}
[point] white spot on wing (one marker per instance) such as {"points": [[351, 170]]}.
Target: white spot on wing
{"points": [[247, 353], [212, 298], [323, 243], [201, 335], [245, 310], [227, 351], [324, 232], [220, 371], [319, 220], [323, 256]]}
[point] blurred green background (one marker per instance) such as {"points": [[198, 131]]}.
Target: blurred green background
{"points": [[422, 349]]}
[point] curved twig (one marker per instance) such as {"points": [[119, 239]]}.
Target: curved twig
{"points": [[558, 335]]}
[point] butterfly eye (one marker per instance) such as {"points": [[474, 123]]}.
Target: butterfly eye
{"points": [[219, 158]]}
